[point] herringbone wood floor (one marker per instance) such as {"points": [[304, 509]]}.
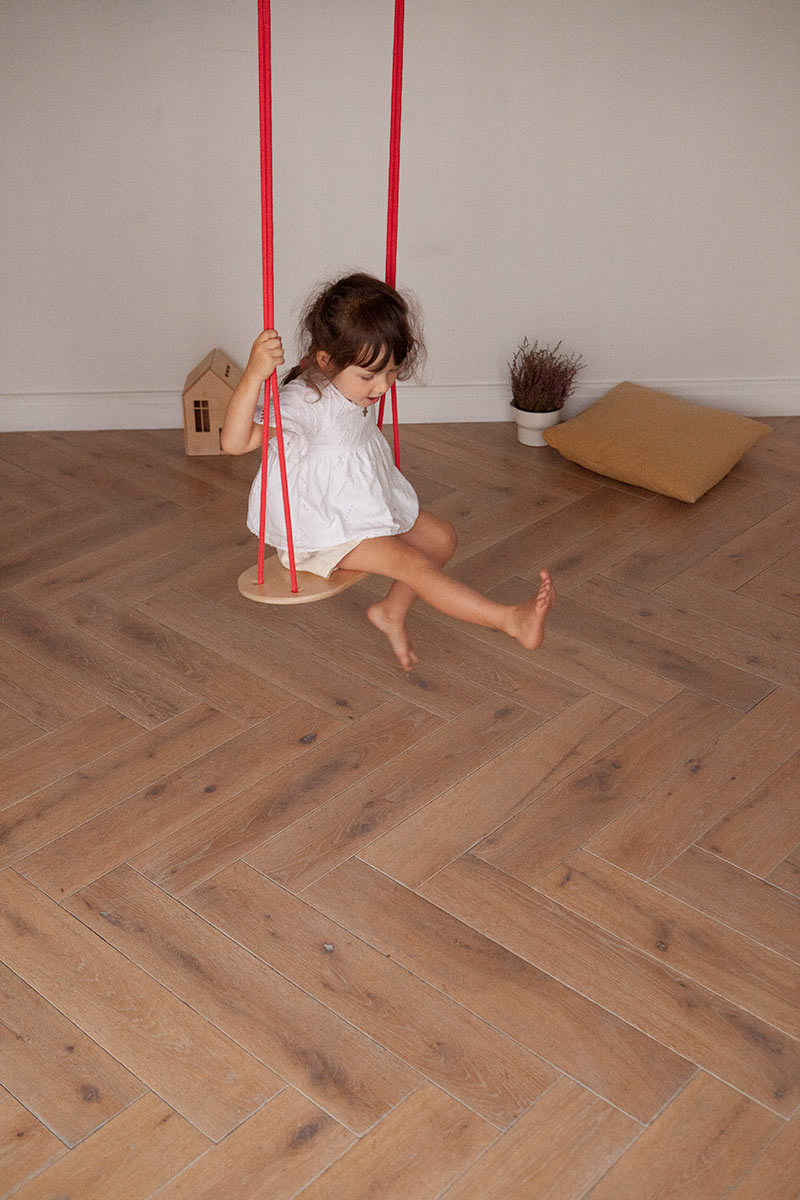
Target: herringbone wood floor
{"points": [[277, 920]]}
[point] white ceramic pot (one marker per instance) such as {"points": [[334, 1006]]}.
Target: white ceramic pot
{"points": [[531, 424]]}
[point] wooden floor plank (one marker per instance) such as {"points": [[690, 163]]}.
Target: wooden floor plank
{"points": [[490, 451], [416, 1151], [773, 1175], [787, 874], [475, 517], [775, 589], [420, 456], [26, 1147], [106, 450], [561, 820], [567, 658], [781, 473], [556, 1151], [101, 783], [128, 1158], [273, 1154], [181, 566], [224, 629], [752, 551], [578, 1037], [590, 555], [526, 552], [215, 580], [668, 819], [756, 908], [15, 731], [231, 472], [343, 1071], [515, 589], [459, 817], [758, 618], [773, 453], [58, 753], [63, 1077], [53, 641], [166, 746], [571, 658], [329, 629], [194, 850], [34, 494], [128, 563], [660, 655], [201, 1073], [451, 654], [673, 550], [29, 531], [789, 564], [329, 835], [698, 1146], [38, 693], [761, 831], [58, 466], [157, 810], [11, 512], [204, 673], [465, 1056], [668, 931], [706, 635], [106, 528], [694, 1022]]}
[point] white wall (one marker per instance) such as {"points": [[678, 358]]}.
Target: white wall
{"points": [[620, 174]]}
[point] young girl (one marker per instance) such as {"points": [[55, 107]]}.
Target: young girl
{"points": [[350, 506]]}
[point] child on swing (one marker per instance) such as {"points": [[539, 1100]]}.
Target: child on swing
{"points": [[350, 506]]}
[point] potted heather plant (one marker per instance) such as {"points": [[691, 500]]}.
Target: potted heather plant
{"points": [[542, 378]]}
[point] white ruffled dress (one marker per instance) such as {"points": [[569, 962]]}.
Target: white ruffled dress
{"points": [[343, 484]]}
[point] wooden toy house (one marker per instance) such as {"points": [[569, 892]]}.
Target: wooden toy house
{"points": [[206, 393]]}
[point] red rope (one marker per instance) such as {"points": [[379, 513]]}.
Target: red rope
{"points": [[394, 145], [267, 243], [394, 191], [268, 267]]}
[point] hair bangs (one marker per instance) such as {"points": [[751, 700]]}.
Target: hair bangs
{"points": [[375, 357], [383, 335]]}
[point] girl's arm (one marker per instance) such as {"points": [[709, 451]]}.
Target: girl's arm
{"points": [[240, 432]]}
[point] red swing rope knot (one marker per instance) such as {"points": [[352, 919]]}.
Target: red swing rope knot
{"points": [[268, 275], [394, 192]]}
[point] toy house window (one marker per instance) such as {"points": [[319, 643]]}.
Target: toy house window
{"points": [[202, 423]]}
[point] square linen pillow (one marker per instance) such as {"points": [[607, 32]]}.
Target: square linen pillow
{"points": [[656, 441]]}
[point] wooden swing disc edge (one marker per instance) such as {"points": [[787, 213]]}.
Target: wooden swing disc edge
{"points": [[277, 587]]}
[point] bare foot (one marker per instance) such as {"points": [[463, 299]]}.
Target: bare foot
{"points": [[527, 625], [397, 634]]}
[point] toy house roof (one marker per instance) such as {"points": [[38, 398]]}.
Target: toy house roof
{"points": [[217, 364]]}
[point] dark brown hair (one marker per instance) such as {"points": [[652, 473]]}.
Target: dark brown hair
{"points": [[358, 320]]}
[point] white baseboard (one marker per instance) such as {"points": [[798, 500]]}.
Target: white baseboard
{"points": [[92, 410], [441, 402], [490, 402]]}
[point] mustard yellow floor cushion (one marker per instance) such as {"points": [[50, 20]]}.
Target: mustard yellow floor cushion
{"points": [[656, 441]]}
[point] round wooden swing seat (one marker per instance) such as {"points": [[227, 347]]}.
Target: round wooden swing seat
{"points": [[277, 585]]}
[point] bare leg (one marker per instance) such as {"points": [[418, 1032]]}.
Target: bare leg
{"points": [[437, 540], [417, 574]]}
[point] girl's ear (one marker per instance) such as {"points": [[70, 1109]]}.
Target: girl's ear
{"points": [[323, 360]]}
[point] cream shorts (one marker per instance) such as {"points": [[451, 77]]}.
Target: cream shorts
{"points": [[319, 562]]}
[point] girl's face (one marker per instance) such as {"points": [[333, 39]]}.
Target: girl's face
{"points": [[362, 385]]}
